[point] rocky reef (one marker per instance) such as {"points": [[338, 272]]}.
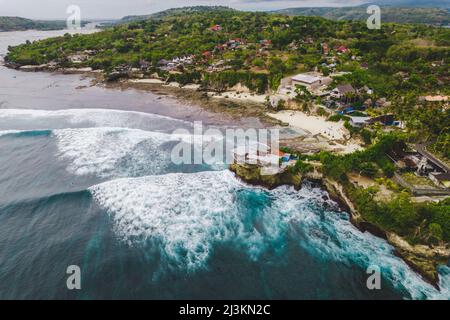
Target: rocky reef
{"points": [[251, 173], [423, 259]]}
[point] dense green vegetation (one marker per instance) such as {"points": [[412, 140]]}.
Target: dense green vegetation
{"points": [[402, 62], [442, 144], [20, 24], [426, 223], [174, 12], [254, 81], [426, 122], [371, 162], [419, 223], [405, 49], [436, 16]]}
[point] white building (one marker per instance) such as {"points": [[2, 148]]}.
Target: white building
{"points": [[256, 153], [359, 122], [307, 80], [313, 82]]}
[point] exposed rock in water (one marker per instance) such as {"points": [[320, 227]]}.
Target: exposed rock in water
{"points": [[423, 259], [252, 174], [33, 68]]}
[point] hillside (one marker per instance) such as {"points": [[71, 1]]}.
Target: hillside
{"points": [[264, 48], [175, 12], [221, 49], [20, 24], [434, 16], [414, 3]]}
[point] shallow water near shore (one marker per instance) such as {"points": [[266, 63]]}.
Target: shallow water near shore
{"points": [[86, 179], [56, 91]]}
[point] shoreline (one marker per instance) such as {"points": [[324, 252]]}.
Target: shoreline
{"points": [[423, 260], [235, 110], [231, 107], [238, 109], [88, 90]]}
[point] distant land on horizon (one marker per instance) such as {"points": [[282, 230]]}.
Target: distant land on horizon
{"points": [[412, 3], [427, 15], [175, 11], [437, 15], [400, 11], [22, 24]]}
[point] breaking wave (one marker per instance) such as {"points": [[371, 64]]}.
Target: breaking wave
{"points": [[186, 215], [57, 119], [118, 152], [182, 217], [112, 151], [178, 211]]}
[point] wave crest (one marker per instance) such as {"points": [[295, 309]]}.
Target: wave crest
{"points": [[99, 151], [185, 215]]}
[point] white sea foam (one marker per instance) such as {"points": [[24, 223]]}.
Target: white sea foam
{"points": [[90, 117], [186, 214], [79, 114], [114, 152], [330, 236], [7, 132]]}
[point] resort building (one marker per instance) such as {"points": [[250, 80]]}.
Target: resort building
{"points": [[341, 90], [359, 122], [325, 48], [385, 119], [306, 80], [310, 81], [342, 49], [217, 27]]}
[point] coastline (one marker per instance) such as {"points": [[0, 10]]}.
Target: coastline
{"points": [[87, 90], [234, 109], [306, 133], [422, 259]]}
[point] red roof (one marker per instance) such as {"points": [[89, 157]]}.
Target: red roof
{"points": [[342, 49], [278, 152], [216, 28]]}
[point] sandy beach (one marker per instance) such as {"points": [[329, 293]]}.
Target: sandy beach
{"points": [[237, 95], [234, 95], [313, 124], [323, 134]]}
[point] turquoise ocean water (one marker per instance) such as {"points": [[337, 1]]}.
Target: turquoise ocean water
{"points": [[96, 188]]}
